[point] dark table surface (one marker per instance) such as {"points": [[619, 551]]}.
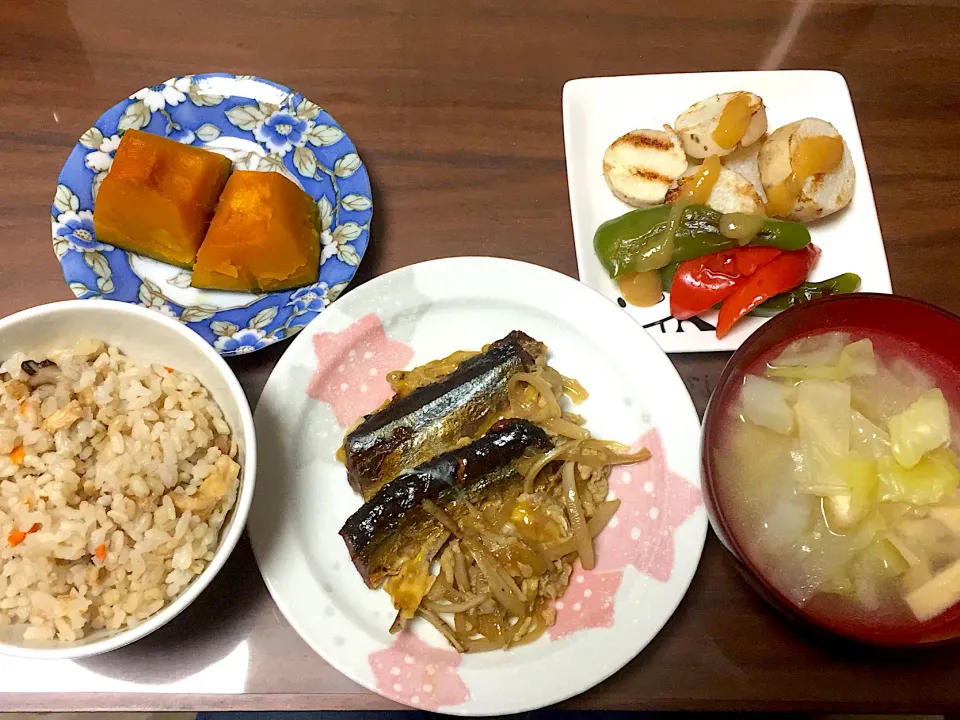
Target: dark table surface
{"points": [[455, 108]]}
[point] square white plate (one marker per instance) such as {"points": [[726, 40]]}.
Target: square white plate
{"points": [[596, 111]]}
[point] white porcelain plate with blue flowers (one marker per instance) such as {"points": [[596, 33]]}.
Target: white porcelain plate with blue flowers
{"points": [[259, 125]]}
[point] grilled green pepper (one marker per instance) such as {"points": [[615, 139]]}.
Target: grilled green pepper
{"points": [[637, 241], [841, 284]]}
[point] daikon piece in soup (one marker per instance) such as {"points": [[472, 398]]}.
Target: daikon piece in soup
{"points": [[837, 471]]}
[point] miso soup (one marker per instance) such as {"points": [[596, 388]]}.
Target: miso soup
{"points": [[836, 466]]}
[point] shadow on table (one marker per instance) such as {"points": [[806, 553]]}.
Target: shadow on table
{"points": [[789, 664], [205, 632], [817, 642]]}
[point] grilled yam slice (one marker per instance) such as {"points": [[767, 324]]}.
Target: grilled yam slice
{"points": [[822, 195], [696, 124], [640, 166], [731, 193]]}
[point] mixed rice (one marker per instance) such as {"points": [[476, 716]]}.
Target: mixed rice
{"points": [[116, 478]]}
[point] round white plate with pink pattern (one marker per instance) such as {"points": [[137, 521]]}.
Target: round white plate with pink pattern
{"points": [[333, 373]]}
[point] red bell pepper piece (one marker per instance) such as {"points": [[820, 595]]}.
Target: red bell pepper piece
{"points": [[781, 274], [702, 282]]}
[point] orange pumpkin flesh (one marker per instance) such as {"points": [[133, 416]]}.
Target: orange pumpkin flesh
{"points": [[263, 236], [159, 196]]}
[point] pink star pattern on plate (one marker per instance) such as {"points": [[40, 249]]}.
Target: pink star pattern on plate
{"points": [[417, 674], [654, 502], [352, 366], [587, 603]]}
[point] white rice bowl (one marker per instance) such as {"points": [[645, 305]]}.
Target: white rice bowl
{"points": [[119, 486]]}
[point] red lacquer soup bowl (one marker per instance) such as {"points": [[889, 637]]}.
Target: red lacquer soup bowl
{"points": [[926, 336]]}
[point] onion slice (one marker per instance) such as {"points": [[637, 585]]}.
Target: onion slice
{"points": [[574, 390], [595, 525], [559, 426], [552, 409], [539, 629], [639, 456], [445, 630], [482, 644], [441, 517], [442, 591], [459, 607], [460, 573], [543, 461], [491, 569], [571, 499]]}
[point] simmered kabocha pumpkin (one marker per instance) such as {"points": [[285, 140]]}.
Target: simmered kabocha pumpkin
{"points": [[159, 196], [263, 236]]}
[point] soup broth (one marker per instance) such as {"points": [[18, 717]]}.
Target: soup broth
{"points": [[836, 466]]}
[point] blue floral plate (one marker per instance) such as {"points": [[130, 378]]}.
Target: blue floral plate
{"points": [[259, 125]]}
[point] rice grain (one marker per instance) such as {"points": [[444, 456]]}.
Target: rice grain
{"points": [[94, 463]]}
